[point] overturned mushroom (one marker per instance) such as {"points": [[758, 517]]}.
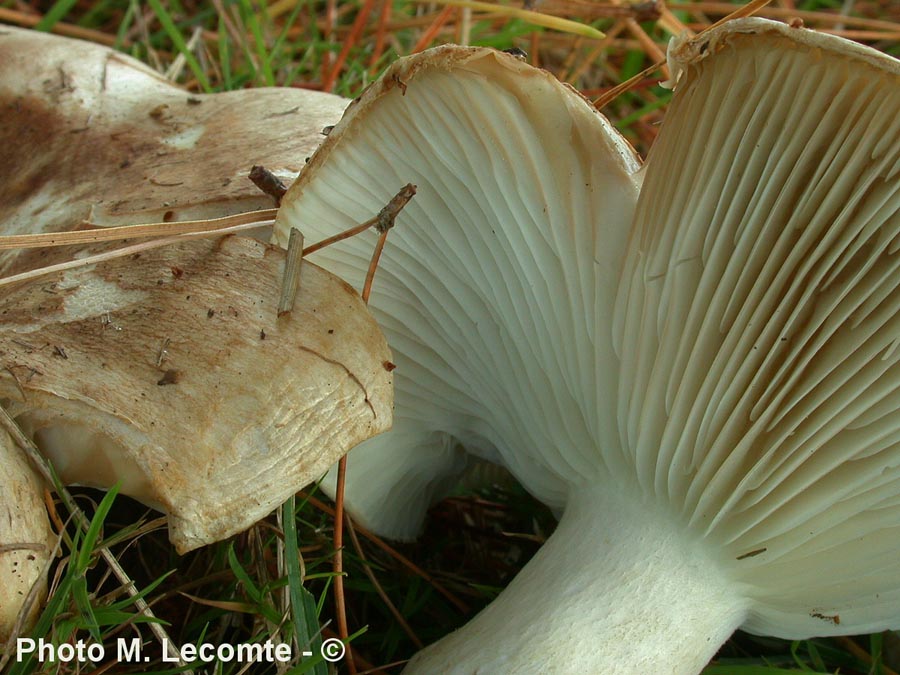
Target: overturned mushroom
{"points": [[168, 372], [706, 379]]}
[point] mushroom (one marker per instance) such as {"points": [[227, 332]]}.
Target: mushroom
{"points": [[26, 539], [169, 373], [473, 289], [168, 370], [705, 379], [91, 134]]}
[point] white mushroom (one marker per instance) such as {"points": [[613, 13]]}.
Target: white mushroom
{"points": [[708, 385], [169, 372], [26, 539], [90, 134]]}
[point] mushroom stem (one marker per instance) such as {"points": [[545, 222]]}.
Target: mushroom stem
{"points": [[617, 588]]}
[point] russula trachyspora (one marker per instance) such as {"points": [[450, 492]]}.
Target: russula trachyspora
{"points": [[26, 539], [90, 134], [167, 370], [705, 378], [169, 373]]}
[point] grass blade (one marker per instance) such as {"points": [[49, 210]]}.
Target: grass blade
{"points": [[165, 19]]}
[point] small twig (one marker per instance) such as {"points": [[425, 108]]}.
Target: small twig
{"points": [[268, 182], [346, 234], [384, 221], [290, 282], [376, 256], [46, 470]]}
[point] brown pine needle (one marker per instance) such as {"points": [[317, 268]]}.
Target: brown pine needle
{"points": [[398, 617], [628, 84], [607, 98], [432, 31], [811, 17], [380, 33], [850, 645], [348, 43], [394, 553], [749, 9], [384, 221], [340, 236], [340, 607]]}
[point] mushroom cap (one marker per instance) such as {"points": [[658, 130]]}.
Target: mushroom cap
{"points": [[758, 322], [26, 538], [168, 371], [735, 358], [498, 281], [92, 134]]}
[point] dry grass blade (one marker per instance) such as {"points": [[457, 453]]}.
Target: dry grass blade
{"points": [[536, 18], [128, 250], [125, 232]]}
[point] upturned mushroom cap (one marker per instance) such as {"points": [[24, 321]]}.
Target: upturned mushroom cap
{"points": [[713, 397], [758, 322], [92, 134], [169, 372], [498, 281], [26, 539]]}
